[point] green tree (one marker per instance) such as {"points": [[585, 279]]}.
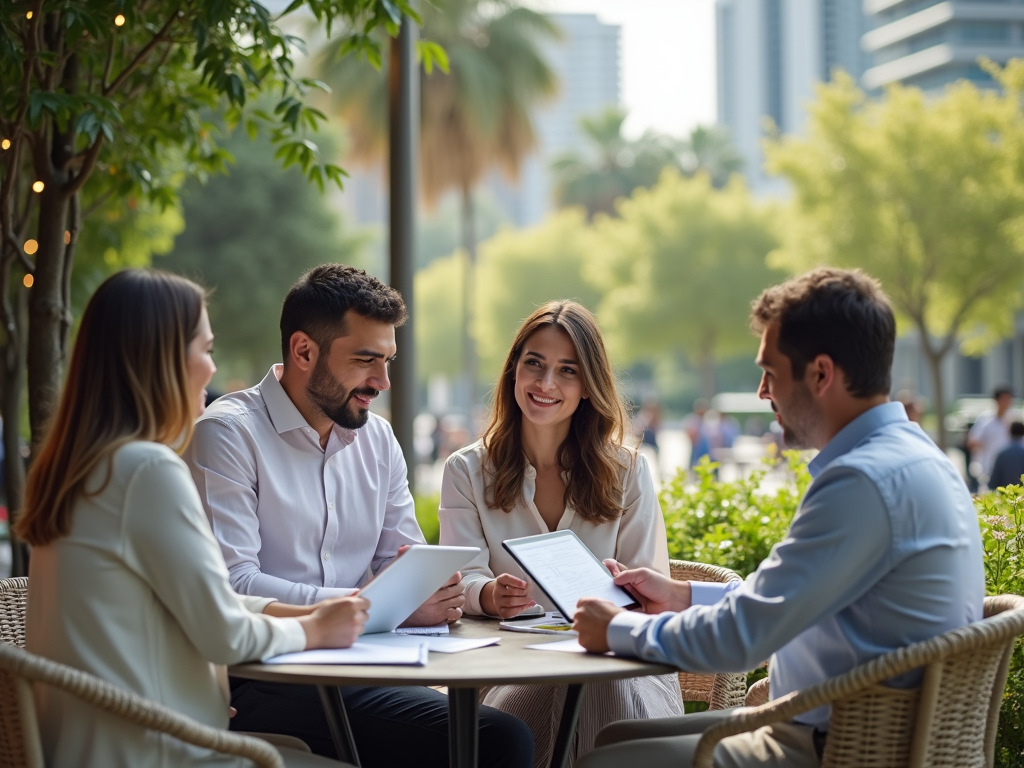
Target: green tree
{"points": [[611, 166], [520, 270], [925, 193], [248, 235], [680, 267], [474, 117], [439, 316], [116, 90]]}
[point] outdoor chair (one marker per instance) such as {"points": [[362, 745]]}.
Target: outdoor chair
{"points": [[948, 722], [20, 745], [723, 690]]}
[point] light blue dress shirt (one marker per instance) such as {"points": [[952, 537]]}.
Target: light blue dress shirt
{"points": [[884, 551]]}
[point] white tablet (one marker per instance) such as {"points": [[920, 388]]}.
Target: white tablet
{"points": [[566, 570], [407, 583]]}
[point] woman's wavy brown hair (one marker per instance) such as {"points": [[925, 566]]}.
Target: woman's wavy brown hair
{"points": [[593, 451], [128, 381]]}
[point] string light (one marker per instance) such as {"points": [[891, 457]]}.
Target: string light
{"points": [[5, 144], [67, 237], [27, 281], [28, 15], [31, 246], [119, 20], [38, 186]]}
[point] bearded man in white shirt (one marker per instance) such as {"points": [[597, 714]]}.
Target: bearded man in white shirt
{"points": [[308, 496]]}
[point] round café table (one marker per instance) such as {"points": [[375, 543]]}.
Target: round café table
{"points": [[464, 674]]}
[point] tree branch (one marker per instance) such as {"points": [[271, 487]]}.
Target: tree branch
{"points": [[109, 65], [146, 82], [73, 186], [141, 55], [97, 203]]}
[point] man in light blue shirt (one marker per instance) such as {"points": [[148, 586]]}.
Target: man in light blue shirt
{"points": [[884, 550]]}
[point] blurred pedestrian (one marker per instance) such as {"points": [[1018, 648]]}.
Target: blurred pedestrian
{"points": [[1009, 464], [990, 434], [913, 404], [696, 430]]}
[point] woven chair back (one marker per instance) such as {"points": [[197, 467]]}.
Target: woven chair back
{"points": [[720, 691], [950, 720], [19, 732]]}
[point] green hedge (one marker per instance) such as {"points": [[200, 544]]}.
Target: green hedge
{"points": [[734, 524]]}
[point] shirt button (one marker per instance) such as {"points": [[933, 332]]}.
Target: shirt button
{"points": [[330, 507], [327, 555], [531, 473]]}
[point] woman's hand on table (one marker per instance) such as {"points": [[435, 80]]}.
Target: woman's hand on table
{"points": [[505, 596], [335, 623]]}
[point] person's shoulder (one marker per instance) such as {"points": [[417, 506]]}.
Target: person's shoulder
{"points": [[143, 457], [470, 458], [234, 406]]}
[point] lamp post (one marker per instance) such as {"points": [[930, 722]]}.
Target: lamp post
{"points": [[403, 109]]}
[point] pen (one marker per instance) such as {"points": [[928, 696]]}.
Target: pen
{"points": [[524, 617]]}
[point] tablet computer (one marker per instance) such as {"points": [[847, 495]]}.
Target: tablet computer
{"points": [[406, 584], [566, 570]]}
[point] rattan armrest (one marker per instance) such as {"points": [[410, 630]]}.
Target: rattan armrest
{"points": [[962, 640], [135, 708]]}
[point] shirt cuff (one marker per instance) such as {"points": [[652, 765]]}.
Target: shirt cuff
{"points": [[472, 589], [255, 604], [325, 593], [620, 631], [707, 593], [294, 637]]}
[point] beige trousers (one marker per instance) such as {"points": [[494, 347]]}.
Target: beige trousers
{"points": [[671, 743]]}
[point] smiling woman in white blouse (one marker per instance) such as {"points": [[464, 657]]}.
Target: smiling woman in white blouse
{"points": [[126, 579], [554, 458]]}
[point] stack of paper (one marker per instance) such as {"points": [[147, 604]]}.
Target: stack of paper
{"points": [[414, 655]]}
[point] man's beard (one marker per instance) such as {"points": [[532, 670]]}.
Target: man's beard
{"points": [[800, 418], [333, 400]]}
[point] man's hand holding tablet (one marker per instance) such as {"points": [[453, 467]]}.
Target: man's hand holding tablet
{"points": [[655, 592]]}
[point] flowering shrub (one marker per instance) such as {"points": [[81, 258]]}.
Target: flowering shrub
{"points": [[732, 524], [1001, 514]]}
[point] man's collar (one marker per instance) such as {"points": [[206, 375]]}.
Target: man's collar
{"points": [[282, 411], [851, 435]]}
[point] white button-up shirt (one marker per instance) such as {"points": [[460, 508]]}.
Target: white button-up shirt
{"points": [[295, 521]]}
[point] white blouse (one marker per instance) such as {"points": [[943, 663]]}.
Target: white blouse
{"points": [[635, 539], [138, 594]]}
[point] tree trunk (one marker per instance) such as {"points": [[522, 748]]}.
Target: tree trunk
{"points": [[46, 313], [469, 364], [13, 373], [935, 357]]}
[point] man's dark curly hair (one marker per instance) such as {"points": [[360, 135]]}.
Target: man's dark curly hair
{"points": [[842, 313], [317, 303]]}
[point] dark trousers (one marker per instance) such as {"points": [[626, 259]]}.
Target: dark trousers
{"points": [[392, 726]]}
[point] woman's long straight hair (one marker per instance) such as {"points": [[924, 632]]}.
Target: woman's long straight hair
{"points": [[128, 380], [593, 452]]}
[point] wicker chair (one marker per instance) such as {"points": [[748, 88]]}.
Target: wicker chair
{"points": [[20, 745], [949, 722], [723, 690]]}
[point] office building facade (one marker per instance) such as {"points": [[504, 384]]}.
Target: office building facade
{"points": [[771, 55], [929, 44]]}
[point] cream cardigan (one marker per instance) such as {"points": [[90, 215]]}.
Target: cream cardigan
{"points": [[138, 595], [637, 538]]}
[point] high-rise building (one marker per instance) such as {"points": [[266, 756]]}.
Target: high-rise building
{"points": [[586, 63], [771, 54], [929, 44]]}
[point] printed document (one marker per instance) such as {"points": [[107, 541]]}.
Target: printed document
{"points": [[360, 653]]}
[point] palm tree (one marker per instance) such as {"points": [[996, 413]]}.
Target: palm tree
{"points": [[614, 166], [709, 149], [473, 119]]}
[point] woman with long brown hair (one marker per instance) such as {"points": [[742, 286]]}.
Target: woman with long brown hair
{"points": [[554, 457], [126, 579]]}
